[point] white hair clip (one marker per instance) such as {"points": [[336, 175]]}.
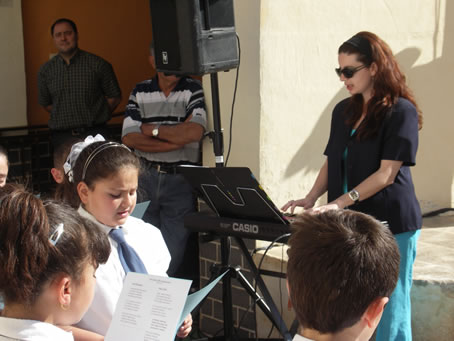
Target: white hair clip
{"points": [[75, 152], [55, 236]]}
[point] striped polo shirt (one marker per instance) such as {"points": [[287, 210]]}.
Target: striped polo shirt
{"points": [[148, 104]]}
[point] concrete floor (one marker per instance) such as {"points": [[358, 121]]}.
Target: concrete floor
{"points": [[435, 250], [433, 280]]}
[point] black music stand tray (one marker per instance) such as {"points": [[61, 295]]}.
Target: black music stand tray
{"points": [[234, 192]]}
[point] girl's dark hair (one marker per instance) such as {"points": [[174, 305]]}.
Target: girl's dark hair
{"points": [[28, 259], [102, 164], [389, 84]]}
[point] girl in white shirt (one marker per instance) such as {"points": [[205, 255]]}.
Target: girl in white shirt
{"points": [[102, 178], [48, 258]]}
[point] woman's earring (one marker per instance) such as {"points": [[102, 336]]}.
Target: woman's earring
{"points": [[64, 306]]}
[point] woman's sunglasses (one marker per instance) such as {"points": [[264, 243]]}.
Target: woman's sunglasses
{"points": [[349, 71]]}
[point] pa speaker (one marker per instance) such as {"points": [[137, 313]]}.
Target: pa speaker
{"points": [[194, 37]]}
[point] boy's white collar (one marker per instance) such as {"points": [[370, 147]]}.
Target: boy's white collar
{"points": [[299, 337]]}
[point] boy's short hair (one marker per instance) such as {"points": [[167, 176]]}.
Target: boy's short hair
{"points": [[340, 261], [61, 151]]}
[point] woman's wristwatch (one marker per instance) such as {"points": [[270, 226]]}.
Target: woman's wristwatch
{"points": [[354, 195]]}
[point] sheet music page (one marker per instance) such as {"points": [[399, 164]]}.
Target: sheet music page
{"points": [[149, 308], [140, 209], [195, 298]]}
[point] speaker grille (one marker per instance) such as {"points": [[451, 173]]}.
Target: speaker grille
{"points": [[190, 42]]}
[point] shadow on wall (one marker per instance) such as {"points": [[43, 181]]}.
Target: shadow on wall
{"points": [[433, 88], [433, 174]]}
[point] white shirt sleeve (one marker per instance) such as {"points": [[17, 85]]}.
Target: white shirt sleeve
{"points": [[149, 244]]}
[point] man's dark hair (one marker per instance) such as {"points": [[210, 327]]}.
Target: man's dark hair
{"points": [[62, 20], [340, 261]]}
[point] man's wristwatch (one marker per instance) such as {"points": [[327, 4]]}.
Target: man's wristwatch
{"points": [[354, 195], [155, 131]]}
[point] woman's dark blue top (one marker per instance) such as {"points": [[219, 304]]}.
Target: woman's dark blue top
{"points": [[397, 140]]}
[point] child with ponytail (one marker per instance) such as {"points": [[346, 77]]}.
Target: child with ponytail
{"points": [[48, 258]]}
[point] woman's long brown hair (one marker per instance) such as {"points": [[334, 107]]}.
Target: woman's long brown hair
{"points": [[389, 85]]}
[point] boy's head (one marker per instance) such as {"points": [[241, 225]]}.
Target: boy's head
{"points": [[343, 265], [60, 155]]}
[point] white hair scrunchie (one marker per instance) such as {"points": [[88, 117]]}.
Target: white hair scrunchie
{"points": [[76, 149]]}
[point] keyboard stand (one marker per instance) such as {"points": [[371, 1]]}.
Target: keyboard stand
{"points": [[265, 302]]}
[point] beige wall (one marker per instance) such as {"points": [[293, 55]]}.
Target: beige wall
{"points": [[298, 89], [246, 121], [12, 70], [287, 87]]}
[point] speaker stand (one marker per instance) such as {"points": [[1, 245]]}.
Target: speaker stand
{"points": [[218, 139]]}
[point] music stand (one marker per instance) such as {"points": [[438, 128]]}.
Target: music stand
{"points": [[234, 192]]}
